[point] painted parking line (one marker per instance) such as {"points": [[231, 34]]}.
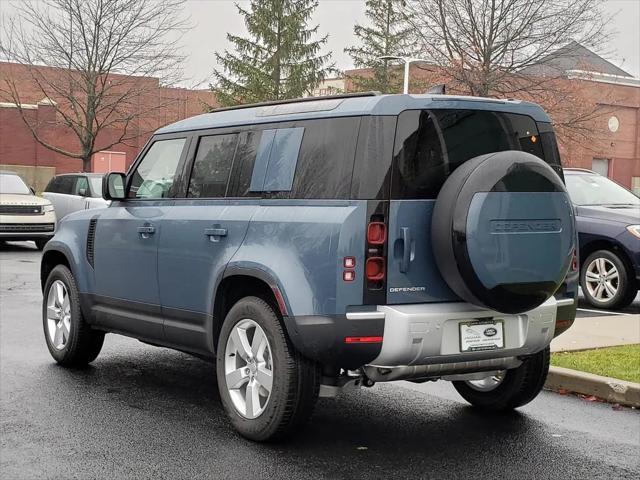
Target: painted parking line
{"points": [[604, 312]]}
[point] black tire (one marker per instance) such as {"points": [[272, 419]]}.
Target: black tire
{"points": [[518, 387], [40, 243], [296, 379], [83, 342], [626, 289]]}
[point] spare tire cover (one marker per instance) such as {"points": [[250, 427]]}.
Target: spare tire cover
{"points": [[503, 231]]}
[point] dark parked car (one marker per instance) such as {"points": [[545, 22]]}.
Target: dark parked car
{"points": [[311, 244], [608, 221]]}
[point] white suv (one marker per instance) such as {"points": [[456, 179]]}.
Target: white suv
{"points": [[75, 191], [23, 215]]}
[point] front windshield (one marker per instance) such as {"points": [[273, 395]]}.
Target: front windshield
{"points": [[96, 186], [13, 184], [593, 189]]}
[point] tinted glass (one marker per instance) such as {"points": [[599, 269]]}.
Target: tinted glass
{"points": [[154, 176], [431, 144], [325, 162], [212, 166], [65, 184], [239, 185], [51, 186], [276, 159], [81, 187], [13, 184]]}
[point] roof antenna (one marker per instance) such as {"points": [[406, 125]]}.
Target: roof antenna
{"points": [[437, 89]]}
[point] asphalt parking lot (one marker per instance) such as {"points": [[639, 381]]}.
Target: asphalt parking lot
{"points": [[146, 412]]}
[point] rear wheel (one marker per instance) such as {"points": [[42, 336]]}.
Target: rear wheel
{"points": [[267, 387], [70, 339], [605, 281], [510, 388]]}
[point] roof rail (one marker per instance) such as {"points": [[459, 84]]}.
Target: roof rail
{"points": [[297, 100]]}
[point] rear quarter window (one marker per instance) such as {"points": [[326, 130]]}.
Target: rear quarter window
{"points": [[431, 144]]}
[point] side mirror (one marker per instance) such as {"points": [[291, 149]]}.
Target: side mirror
{"points": [[32, 190], [82, 192], [113, 186]]}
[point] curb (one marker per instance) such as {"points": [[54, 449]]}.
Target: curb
{"points": [[610, 389]]}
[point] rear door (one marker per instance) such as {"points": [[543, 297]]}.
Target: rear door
{"points": [[201, 233], [429, 145], [59, 193]]}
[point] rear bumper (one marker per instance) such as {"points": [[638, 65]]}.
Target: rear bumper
{"points": [[421, 334], [429, 334]]}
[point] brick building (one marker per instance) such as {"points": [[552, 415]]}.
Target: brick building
{"points": [[20, 152]]}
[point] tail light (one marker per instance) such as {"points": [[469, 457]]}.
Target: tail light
{"points": [[574, 261], [376, 233], [374, 269], [375, 258]]}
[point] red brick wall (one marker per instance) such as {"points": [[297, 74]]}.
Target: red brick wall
{"points": [[18, 147]]}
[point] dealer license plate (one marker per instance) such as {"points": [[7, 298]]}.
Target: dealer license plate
{"points": [[481, 335]]}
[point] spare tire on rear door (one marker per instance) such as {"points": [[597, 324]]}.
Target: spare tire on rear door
{"points": [[503, 231]]}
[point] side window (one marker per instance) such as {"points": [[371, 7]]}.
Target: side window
{"points": [[52, 185], [81, 187], [154, 175], [325, 162], [212, 166], [276, 160], [243, 163], [65, 184]]}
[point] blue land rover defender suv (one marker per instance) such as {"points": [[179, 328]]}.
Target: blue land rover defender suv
{"points": [[308, 245]]}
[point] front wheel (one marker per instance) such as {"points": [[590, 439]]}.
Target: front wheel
{"points": [[267, 387], [509, 389], [605, 281], [70, 339]]}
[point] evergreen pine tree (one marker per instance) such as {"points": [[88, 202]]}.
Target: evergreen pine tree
{"points": [[279, 59], [388, 34]]}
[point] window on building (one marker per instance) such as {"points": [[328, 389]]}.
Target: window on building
{"points": [[212, 166], [601, 166]]}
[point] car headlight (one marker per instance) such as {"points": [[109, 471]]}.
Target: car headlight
{"points": [[634, 230], [47, 208]]}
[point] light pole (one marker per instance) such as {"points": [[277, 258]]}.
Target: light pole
{"points": [[407, 61]]}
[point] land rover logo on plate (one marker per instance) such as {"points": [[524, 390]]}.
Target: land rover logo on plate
{"points": [[490, 332], [481, 335]]}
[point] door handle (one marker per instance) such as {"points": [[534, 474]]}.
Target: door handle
{"points": [[215, 233], [146, 231], [405, 233]]}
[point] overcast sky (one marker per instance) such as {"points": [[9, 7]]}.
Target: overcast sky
{"points": [[214, 18]]}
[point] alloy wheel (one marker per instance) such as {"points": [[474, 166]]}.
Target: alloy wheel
{"points": [[248, 368], [602, 279], [488, 383], [58, 315]]}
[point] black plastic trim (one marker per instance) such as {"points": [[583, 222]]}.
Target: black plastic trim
{"points": [[321, 338]]}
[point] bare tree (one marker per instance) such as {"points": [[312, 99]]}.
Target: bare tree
{"points": [[487, 46], [99, 51]]}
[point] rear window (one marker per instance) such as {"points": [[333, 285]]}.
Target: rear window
{"points": [[430, 144]]}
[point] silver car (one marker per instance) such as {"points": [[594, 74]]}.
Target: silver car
{"points": [[75, 191]]}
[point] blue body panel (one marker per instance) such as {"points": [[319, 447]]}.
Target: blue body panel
{"points": [[421, 280], [301, 245]]}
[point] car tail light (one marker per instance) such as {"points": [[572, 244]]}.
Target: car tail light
{"points": [[376, 233], [374, 269], [348, 275], [574, 261], [363, 339]]}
